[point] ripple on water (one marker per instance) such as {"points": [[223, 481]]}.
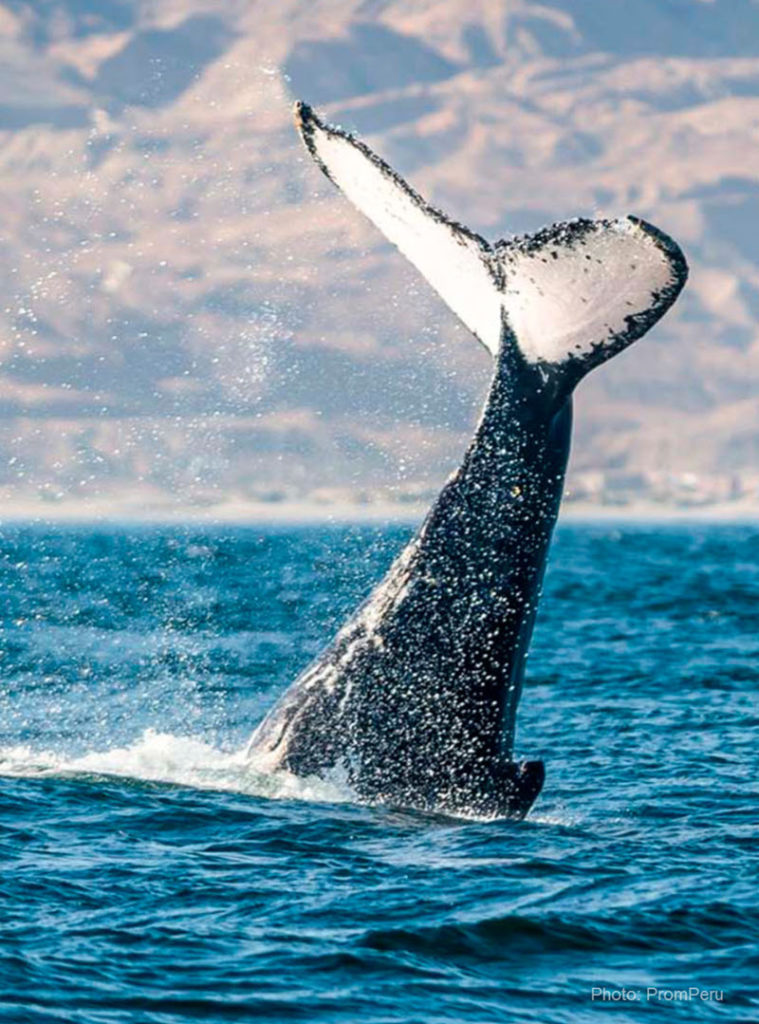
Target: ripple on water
{"points": [[150, 875]]}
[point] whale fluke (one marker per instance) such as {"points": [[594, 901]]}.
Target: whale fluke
{"points": [[572, 295]]}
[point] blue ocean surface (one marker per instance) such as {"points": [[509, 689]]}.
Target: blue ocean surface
{"points": [[148, 875]]}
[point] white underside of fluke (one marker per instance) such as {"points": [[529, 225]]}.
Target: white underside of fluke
{"points": [[452, 259], [581, 287], [578, 290]]}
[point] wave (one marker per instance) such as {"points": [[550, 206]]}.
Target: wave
{"points": [[174, 760], [716, 925]]}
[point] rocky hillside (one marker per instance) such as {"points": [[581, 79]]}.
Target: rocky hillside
{"points": [[190, 313]]}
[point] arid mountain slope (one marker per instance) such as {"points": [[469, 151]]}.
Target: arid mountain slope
{"points": [[191, 312]]}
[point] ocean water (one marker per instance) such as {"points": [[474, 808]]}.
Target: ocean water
{"points": [[147, 876]]}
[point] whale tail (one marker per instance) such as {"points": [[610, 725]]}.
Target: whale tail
{"points": [[571, 296]]}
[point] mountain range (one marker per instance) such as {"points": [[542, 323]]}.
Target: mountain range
{"points": [[192, 318]]}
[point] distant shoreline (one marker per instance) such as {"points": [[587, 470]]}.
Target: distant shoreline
{"points": [[241, 513]]}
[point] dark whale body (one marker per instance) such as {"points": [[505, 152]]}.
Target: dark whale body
{"points": [[415, 700]]}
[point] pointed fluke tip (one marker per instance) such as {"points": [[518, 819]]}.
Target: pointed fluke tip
{"points": [[309, 128], [304, 115], [669, 247], [306, 122]]}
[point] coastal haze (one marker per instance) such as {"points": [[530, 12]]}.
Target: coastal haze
{"points": [[193, 321]]}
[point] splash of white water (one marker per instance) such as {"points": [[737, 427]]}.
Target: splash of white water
{"points": [[177, 760]]}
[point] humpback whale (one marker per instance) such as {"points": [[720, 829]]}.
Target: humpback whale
{"points": [[415, 699]]}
